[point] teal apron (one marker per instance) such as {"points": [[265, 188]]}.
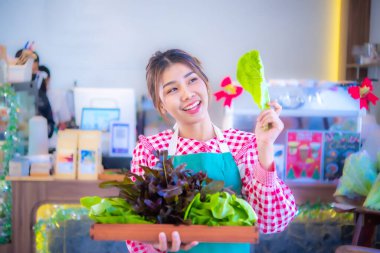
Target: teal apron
{"points": [[218, 166]]}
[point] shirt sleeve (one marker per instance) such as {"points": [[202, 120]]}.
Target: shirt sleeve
{"points": [[142, 155], [271, 199], [138, 247]]}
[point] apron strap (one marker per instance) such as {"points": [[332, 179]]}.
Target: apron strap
{"points": [[222, 144], [173, 141]]}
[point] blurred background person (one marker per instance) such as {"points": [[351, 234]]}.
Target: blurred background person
{"points": [[57, 98], [23, 54], [40, 80], [44, 107]]}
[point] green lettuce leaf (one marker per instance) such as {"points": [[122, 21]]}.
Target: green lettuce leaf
{"points": [[250, 74], [220, 208], [111, 211], [373, 199]]}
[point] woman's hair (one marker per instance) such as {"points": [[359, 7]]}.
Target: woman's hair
{"points": [[43, 68], [159, 62]]}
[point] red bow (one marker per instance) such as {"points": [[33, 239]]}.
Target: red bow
{"points": [[229, 91], [364, 93]]}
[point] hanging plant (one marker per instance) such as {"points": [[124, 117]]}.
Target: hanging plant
{"points": [[8, 118]]}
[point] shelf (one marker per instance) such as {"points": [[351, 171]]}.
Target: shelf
{"points": [[6, 248], [311, 184], [304, 112], [29, 178], [312, 192], [329, 103], [362, 69], [367, 65]]}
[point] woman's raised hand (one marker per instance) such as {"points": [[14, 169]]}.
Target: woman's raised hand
{"points": [[269, 124]]}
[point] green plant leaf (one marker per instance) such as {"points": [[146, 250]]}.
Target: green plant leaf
{"points": [[89, 201], [111, 211], [212, 187], [250, 74], [220, 208]]}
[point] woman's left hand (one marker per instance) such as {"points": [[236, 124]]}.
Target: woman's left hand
{"points": [[269, 125]]}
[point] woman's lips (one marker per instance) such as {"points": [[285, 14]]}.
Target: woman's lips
{"points": [[193, 107]]}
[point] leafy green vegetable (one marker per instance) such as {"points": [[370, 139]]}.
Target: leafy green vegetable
{"points": [[164, 192], [220, 208], [356, 181], [111, 210], [250, 74], [373, 199]]}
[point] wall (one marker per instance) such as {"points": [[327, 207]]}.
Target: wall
{"points": [[108, 43], [374, 37]]}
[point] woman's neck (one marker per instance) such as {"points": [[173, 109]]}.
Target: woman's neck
{"points": [[203, 131]]}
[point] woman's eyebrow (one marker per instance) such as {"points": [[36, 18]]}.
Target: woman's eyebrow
{"points": [[188, 74]]}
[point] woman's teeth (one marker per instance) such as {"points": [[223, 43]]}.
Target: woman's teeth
{"points": [[191, 106]]}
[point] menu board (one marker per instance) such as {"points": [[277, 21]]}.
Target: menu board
{"points": [[338, 146], [304, 155]]}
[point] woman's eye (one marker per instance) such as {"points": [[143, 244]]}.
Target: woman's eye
{"points": [[171, 90], [194, 79]]}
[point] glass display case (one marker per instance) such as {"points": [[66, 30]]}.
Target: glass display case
{"points": [[308, 105]]}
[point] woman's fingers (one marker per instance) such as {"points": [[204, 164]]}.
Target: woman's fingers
{"points": [[162, 242], [276, 107], [262, 114], [267, 117], [176, 242], [190, 245]]}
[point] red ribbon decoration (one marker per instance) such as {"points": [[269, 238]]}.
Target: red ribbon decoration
{"points": [[228, 92], [364, 93]]}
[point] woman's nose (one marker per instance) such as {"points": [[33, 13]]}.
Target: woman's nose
{"points": [[186, 94]]}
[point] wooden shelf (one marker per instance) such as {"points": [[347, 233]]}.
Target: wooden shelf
{"points": [[312, 192], [356, 65], [27, 196], [101, 177], [6, 248], [29, 178], [361, 70], [311, 184]]}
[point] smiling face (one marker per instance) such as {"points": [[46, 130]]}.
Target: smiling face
{"points": [[183, 94]]}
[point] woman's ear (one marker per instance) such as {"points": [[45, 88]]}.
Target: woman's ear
{"points": [[162, 109]]}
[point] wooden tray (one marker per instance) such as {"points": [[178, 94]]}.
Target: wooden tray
{"points": [[149, 233]]}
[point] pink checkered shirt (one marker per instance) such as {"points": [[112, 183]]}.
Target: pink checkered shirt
{"points": [[271, 199]]}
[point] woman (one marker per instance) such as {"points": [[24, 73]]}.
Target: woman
{"points": [[245, 161]]}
